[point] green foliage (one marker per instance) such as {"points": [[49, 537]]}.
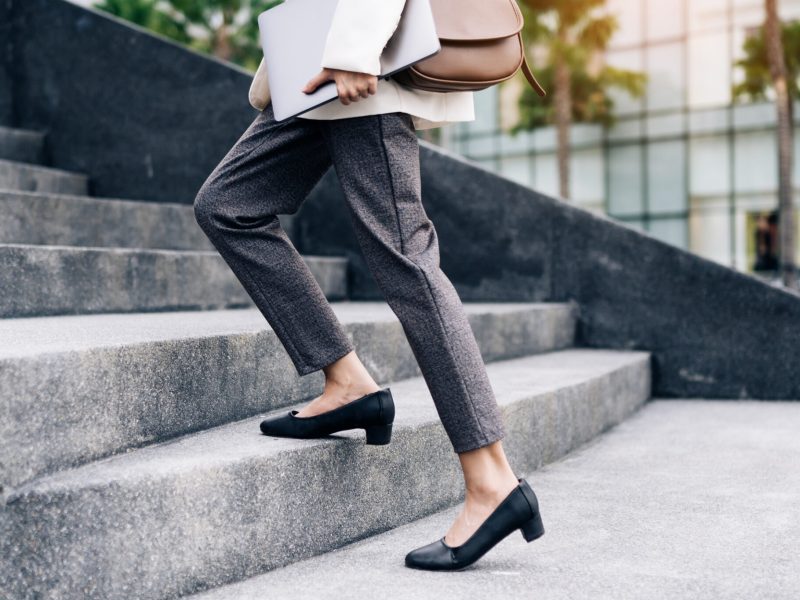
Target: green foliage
{"points": [[574, 30], [757, 77], [227, 29]]}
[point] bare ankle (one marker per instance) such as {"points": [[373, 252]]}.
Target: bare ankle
{"points": [[348, 373]]}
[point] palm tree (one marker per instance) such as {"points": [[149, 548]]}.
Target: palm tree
{"points": [[772, 60], [574, 35]]}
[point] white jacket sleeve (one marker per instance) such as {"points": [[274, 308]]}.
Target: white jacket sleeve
{"points": [[359, 32]]}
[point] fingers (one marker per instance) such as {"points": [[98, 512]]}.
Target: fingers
{"points": [[353, 86], [314, 82]]}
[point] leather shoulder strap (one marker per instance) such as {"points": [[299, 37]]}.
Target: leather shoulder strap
{"points": [[531, 79]]}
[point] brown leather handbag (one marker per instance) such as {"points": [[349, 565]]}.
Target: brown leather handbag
{"points": [[481, 46]]}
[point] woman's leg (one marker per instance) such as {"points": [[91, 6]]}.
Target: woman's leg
{"points": [[270, 171], [377, 160]]}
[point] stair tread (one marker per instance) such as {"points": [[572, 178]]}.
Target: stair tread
{"points": [[512, 380], [9, 130], [669, 481], [125, 250], [43, 195], [22, 145], [4, 162], [29, 336]]}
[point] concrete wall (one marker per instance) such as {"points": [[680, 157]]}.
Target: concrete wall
{"points": [[148, 119], [6, 107], [714, 332], [143, 116]]}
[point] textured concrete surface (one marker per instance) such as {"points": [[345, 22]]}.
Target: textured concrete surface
{"points": [[149, 120], [226, 503], [23, 176], [6, 59], [685, 499], [21, 145], [70, 220], [80, 387], [68, 280]]}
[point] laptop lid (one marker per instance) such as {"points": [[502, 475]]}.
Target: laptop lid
{"points": [[293, 36]]}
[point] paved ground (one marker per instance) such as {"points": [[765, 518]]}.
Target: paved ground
{"points": [[686, 499]]}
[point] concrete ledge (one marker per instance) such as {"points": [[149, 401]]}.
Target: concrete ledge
{"points": [[59, 280], [714, 332], [21, 145], [162, 114], [82, 387], [22, 176], [228, 503]]}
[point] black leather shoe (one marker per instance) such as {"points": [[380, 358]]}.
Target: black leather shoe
{"points": [[373, 412], [519, 510]]}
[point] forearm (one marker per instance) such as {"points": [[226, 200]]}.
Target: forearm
{"points": [[359, 32]]}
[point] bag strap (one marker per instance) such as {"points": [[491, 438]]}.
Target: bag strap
{"points": [[531, 79]]}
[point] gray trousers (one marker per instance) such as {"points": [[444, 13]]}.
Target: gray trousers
{"points": [[270, 171]]}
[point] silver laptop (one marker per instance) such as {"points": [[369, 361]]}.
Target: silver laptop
{"points": [[293, 36]]}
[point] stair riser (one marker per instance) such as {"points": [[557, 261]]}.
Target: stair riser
{"points": [[24, 177], [67, 409], [61, 280], [27, 218], [21, 145], [180, 534]]}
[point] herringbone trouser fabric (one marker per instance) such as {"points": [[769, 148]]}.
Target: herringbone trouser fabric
{"points": [[270, 171]]}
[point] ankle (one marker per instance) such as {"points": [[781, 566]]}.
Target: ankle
{"points": [[491, 488]]}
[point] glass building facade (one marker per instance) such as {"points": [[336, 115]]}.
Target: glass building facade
{"points": [[684, 162]]}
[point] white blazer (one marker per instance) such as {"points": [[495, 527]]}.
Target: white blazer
{"points": [[359, 31]]}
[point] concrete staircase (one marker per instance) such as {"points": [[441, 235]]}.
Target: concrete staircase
{"points": [[65, 252], [132, 463]]}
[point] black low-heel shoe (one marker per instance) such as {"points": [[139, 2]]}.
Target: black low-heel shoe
{"points": [[519, 510], [373, 412]]}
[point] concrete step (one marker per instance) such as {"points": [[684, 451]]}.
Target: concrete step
{"points": [[644, 511], [16, 175], [60, 280], [77, 388], [21, 145], [228, 503], [74, 220]]}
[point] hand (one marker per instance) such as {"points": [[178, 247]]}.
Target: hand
{"points": [[350, 85]]}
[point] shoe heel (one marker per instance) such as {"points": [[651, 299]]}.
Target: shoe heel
{"points": [[532, 529], [379, 435]]}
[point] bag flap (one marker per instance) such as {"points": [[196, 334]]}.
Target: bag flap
{"points": [[476, 19]]}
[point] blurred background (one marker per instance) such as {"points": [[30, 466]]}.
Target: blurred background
{"points": [[661, 115]]}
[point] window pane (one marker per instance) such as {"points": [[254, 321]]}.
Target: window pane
{"points": [[631, 60], [708, 14], [481, 146], [708, 121], [629, 16], [756, 162], [672, 231], [516, 168], [671, 124], [664, 19], [625, 180], [797, 159], [667, 176], [546, 174], [709, 69], [710, 166], [485, 110], [710, 230], [665, 88], [587, 176]]}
